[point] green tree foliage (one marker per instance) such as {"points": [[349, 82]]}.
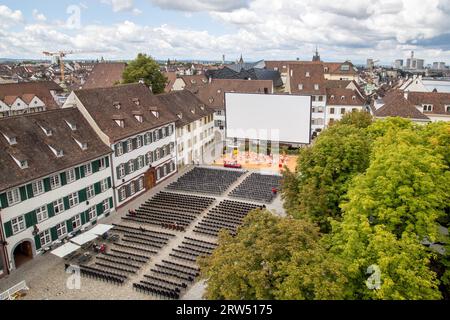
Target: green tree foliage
{"points": [[324, 171], [147, 69], [272, 258], [359, 119]]}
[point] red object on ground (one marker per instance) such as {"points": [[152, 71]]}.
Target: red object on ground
{"points": [[232, 165]]}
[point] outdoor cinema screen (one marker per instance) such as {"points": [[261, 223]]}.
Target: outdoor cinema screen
{"points": [[271, 117]]}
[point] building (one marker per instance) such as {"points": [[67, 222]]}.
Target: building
{"points": [[171, 78], [341, 101], [398, 64], [439, 66], [309, 79], [3, 262], [213, 96], [421, 84], [194, 126], [188, 82], [395, 104], [55, 179], [141, 131], [434, 105], [29, 97], [413, 63], [104, 75]]}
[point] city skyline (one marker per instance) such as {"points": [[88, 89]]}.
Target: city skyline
{"points": [[204, 30]]}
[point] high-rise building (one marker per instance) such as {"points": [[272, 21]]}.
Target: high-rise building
{"points": [[439, 65], [398, 64]]}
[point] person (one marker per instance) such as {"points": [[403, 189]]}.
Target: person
{"points": [[274, 190]]}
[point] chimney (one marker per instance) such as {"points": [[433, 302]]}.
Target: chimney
{"points": [[405, 94]]}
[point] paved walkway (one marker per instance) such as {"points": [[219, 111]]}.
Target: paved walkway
{"points": [[46, 278]]}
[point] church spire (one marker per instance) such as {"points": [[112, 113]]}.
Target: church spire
{"points": [[316, 56]]}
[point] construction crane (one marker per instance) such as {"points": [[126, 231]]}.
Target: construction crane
{"points": [[60, 55]]}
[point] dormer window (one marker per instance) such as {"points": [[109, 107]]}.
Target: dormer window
{"points": [[48, 132], [72, 126], [307, 74], [156, 114], [23, 164], [202, 107], [316, 87], [193, 81], [180, 115], [120, 123], [342, 97], [139, 118], [193, 111], [11, 139], [427, 107], [116, 105], [219, 91], [58, 153], [211, 99], [136, 101], [300, 86], [82, 145], [332, 96], [353, 97], [447, 108]]}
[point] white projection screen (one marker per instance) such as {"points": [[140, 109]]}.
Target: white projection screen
{"points": [[248, 116]]}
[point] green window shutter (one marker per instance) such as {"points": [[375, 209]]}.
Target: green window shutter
{"points": [[50, 210], [82, 172], [99, 209], [77, 173], [30, 191], [116, 151], [69, 225], [47, 184], [97, 188], [134, 143], [111, 204], [54, 234], [3, 200], [125, 147], [95, 166], [82, 195], [83, 218], [37, 242], [117, 172], [23, 193], [66, 203], [63, 178], [8, 229], [109, 183], [30, 218], [127, 168], [135, 165], [107, 162]]}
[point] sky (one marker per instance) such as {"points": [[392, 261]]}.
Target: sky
{"points": [[353, 30]]}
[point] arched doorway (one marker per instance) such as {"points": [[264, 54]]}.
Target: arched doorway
{"points": [[150, 178], [23, 253]]}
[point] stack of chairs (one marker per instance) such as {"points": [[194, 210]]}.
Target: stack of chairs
{"points": [[171, 278], [258, 187], [170, 210], [206, 180], [227, 215]]}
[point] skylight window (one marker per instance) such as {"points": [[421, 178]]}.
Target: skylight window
{"points": [[48, 132], [58, 153], [82, 145], [11, 139]]}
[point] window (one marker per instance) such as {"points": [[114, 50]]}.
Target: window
{"points": [[300, 86], [140, 184], [70, 175], [18, 224], [307, 74], [58, 206], [120, 123], [139, 142], [122, 194], [342, 110], [55, 182], [92, 213], [158, 174], [76, 222], [320, 98], [119, 149], [121, 171], [447, 108], [13, 196], [41, 214], [140, 162], [150, 157], [73, 199], [87, 169], [105, 204], [104, 185], [313, 98], [45, 238], [148, 138], [316, 87], [427, 107], [132, 188], [129, 145], [90, 192], [102, 164], [61, 230], [331, 110], [131, 166]]}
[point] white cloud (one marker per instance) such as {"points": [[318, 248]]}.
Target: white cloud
{"points": [[120, 5], [201, 5], [39, 16], [10, 17]]}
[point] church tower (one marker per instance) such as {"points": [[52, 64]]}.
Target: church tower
{"points": [[316, 56]]}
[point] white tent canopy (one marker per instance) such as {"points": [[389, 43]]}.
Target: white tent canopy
{"points": [[84, 238], [100, 229], [65, 249]]}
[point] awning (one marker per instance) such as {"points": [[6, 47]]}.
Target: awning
{"points": [[84, 238], [100, 229], [65, 249]]}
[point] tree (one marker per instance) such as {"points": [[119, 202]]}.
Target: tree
{"points": [[145, 68], [272, 258], [359, 119], [324, 171]]}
